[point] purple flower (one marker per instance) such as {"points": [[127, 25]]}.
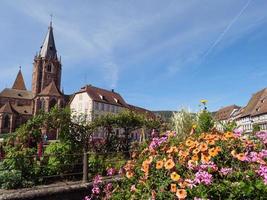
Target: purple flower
{"points": [[207, 166], [238, 132], [262, 135], [87, 198], [156, 142], [108, 187], [97, 180], [262, 171], [111, 171], [203, 177], [96, 190], [225, 171], [190, 183]]}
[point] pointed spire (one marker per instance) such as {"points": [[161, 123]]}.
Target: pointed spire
{"points": [[48, 49], [19, 83]]}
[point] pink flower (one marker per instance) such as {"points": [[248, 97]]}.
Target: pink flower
{"points": [[133, 188], [263, 173], [203, 177], [87, 198], [111, 171], [96, 190], [225, 171], [97, 180]]}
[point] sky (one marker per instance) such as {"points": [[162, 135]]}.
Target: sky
{"points": [[158, 54]]}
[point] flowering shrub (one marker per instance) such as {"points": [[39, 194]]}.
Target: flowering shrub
{"points": [[209, 165]]}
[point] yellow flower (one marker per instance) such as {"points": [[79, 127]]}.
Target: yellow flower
{"points": [[129, 174], [173, 188], [189, 143], [175, 176], [169, 164], [159, 164], [181, 193], [204, 101]]}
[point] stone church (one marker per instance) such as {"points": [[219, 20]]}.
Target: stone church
{"points": [[17, 104]]}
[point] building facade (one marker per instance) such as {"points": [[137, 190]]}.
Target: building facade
{"points": [[17, 104], [254, 113]]}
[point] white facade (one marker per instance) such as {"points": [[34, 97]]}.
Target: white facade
{"points": [[246, 123], [82, 104]]}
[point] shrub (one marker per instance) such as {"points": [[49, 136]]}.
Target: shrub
{"points": [[60, 158], [209, 165]]}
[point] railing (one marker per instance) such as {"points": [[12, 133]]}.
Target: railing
{"points": [[51, 168]]}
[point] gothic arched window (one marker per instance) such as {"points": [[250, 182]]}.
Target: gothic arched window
{"points": [[52, 103], [6, 121], [42, 104]]}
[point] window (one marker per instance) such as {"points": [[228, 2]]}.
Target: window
{"points": [[6, 121], [49, 68], [102, 106], [52, 103], [96, 106]]}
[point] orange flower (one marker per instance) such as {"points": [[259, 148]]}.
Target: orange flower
{"points": [[203, 147], [159, 164], [173, 188], [218, 149], [189, 143], [145, 168], [172, 149], [150, 159], [129, 174], [233, 153], [181, 193], [213, 152], [196, 151], [241, 156], [195, 157], [211, 142], [169, 164], [183, 153], [228, 135], [175, 176], [205, 158]]}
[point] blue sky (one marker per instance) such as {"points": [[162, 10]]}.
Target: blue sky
{"points": [[158, 54]]}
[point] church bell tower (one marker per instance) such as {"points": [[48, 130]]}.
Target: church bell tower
{"points": [[46, 66]]}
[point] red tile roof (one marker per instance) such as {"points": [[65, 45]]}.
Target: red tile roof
{"points": [[51, 90], [104, 96], [19, 82], [257, 104], [225, 112]]}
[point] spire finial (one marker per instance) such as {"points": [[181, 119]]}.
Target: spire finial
{"points": [[19, 67], [51, 19]]}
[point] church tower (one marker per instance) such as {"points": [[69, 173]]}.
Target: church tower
{"points": [[46, 78], [47, 66]]}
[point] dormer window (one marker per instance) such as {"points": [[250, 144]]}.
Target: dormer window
{"points": [[116, 100], [257, 109], [262, 101], [101, 97]]}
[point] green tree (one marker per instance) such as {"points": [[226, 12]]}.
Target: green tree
{"points": [[205, 121]]}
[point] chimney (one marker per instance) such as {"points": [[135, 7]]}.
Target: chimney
{"points": [[112, 90]]}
